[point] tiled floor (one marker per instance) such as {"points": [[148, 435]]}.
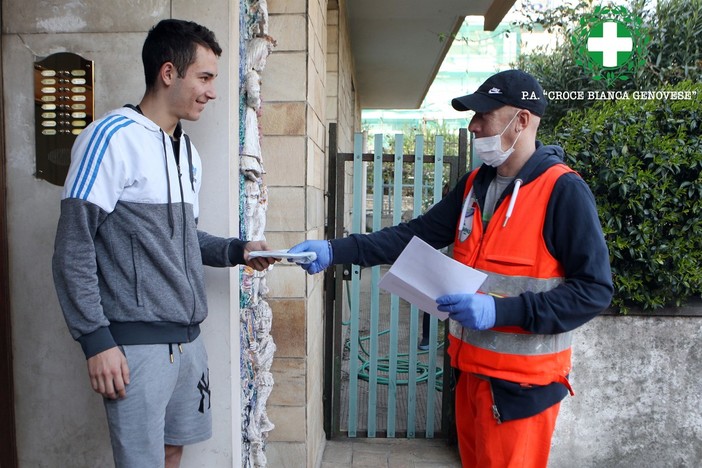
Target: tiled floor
{"points": [[390, 453]]}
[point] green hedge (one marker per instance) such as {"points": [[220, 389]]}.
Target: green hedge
{"points": [[643, 161]]}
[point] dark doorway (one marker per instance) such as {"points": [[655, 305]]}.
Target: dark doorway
{"points": [[8, 445]]}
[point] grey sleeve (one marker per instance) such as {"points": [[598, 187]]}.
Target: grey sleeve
{"points": [[220, 251], [75, 275]]}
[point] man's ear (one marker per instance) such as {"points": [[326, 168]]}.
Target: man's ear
{"points": [[523, 119], [168, 73]]}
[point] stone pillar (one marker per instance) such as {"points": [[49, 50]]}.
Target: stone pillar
{"points": [[294, 130]]}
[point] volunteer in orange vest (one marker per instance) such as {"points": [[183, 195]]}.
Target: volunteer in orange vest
{"points": [[529, 222]]}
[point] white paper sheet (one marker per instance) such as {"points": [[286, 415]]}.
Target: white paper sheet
{"points": [[421, 274]]}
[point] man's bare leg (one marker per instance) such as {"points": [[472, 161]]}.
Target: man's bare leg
{"points": [[173, 455]]}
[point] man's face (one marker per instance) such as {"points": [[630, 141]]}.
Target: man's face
{"points": [[191, 93], [487, 124]]}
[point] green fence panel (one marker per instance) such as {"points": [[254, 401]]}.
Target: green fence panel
{"points": [[394, 300], [375, 290], [414, 312], [433, 321], [355, 286]]}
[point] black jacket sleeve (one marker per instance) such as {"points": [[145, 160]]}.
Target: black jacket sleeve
{"points": [[437, 227]]}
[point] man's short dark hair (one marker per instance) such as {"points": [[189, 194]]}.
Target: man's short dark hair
{"points": [[174, 41]]}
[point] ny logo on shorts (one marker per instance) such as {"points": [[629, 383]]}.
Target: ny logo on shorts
{"points": [[204, 386]]}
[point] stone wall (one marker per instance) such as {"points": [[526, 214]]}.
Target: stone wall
{"points": [[343, 107], [638, 396]]}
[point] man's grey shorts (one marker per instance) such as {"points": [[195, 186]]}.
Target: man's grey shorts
{"points": [[167, 403]]}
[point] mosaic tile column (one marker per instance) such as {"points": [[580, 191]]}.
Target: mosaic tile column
{"points": [[257, 346]]}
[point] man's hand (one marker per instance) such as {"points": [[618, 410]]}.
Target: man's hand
{"points": [[324, 254], [109, 373], [257, 263], [474, 311]]}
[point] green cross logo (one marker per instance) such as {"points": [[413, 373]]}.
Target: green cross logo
{"points": [[610, 44]]}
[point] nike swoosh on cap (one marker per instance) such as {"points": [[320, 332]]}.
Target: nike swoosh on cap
{"points": [[495, 91]]}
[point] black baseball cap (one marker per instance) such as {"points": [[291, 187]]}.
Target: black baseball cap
{"points": [[511, 87]]}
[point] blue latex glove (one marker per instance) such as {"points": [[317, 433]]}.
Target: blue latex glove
{"points": [[324, 254], [474, 311]]}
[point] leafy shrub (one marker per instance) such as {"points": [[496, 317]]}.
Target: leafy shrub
{"points": [[675, 50], [643, 161]]}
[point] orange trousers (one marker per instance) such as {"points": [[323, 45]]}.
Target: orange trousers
{"points": [[485, 443]]}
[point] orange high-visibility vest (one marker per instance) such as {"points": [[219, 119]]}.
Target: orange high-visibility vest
{"points": [[515, 257]]}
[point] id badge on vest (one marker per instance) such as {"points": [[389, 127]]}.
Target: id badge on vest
{"points": [[465, 225]]}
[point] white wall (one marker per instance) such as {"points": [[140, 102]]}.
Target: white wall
{"points": [[60, 420]]}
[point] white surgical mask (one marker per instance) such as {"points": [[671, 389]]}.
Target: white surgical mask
{"points": [[489, 149]]}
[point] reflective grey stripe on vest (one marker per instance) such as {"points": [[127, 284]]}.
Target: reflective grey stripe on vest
{"points": [[510, 286], [512, 343]]}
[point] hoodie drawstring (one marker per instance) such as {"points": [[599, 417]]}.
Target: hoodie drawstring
{"points": [[513, 200], [190, 161], [171, 222]]}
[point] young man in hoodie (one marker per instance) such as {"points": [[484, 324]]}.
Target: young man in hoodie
{"points": [[128, 259], [530, 223]]}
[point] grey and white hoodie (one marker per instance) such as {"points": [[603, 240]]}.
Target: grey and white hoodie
{"points": [[128, 258]]}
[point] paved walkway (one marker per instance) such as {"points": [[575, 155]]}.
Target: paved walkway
{"points": [[390, 453]]}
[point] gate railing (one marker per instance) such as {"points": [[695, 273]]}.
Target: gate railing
{"points": [[377, 370]]}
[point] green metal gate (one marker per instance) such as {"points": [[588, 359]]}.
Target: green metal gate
{"points": [[377, 383]]}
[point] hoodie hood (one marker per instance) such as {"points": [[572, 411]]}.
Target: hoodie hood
{"points": [[134, 112], [544, 157], [130, 111]]}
